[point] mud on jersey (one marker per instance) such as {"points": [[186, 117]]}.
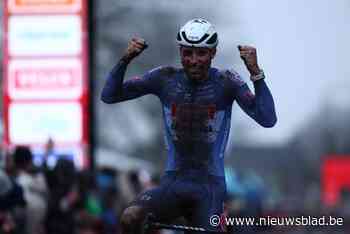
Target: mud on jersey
{"points": [[196, 115]]}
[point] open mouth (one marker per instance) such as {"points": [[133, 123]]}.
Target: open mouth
{"points": [[195, 74], [195, 71]]}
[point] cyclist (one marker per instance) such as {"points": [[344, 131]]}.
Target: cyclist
{"points": [[196, 102]]}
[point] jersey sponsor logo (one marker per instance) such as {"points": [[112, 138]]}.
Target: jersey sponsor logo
{"points": [[192, 122]]}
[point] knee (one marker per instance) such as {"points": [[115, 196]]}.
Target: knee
{"points": [[132, 217]]}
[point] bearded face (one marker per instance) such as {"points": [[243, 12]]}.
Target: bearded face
{"points": [[196, 61]]}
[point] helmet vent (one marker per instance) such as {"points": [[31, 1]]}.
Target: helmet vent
{"points": [[178, 37], [194, 42], [213, 39]]}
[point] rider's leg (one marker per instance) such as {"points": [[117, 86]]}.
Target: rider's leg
{"points": [[162, 202], [132, 220], [210, 203]]}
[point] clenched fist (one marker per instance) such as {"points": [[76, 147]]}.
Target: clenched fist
{"points": [[248, 55], [135, 47]]}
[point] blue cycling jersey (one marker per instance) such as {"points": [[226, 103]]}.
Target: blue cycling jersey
{"points": [[196, 114]]}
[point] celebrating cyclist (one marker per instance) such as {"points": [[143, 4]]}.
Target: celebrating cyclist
{"points": [[197, 103]]}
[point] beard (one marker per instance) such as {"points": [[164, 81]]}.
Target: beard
{"points": [[197, 73]]}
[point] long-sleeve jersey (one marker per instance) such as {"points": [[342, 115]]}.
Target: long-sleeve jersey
{"points": [[196, 115]]}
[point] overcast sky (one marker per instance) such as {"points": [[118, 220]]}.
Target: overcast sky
{"points": [[303, 46]]}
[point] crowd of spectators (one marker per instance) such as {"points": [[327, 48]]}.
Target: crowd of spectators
{"points": [[64, 200]]}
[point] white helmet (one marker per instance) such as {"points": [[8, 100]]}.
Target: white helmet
{"points": [[198, 33]]}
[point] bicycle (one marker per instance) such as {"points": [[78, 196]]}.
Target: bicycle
{"points": [[150, 224]]}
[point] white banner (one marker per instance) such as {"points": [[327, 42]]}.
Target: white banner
{"points": [[44, 35], [31, 123]]}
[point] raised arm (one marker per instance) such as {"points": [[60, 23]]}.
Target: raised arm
{"points": [[117, 90], [260, 106]]}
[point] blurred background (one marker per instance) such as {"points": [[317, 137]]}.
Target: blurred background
{"points": [[55, 59]]}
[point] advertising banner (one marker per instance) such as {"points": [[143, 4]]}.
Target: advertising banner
{"points": [[45, 87]]}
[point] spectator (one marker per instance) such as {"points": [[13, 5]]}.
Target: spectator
{"points": [[34, 188], [12, 206], [89, 226], [63, 199]]}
